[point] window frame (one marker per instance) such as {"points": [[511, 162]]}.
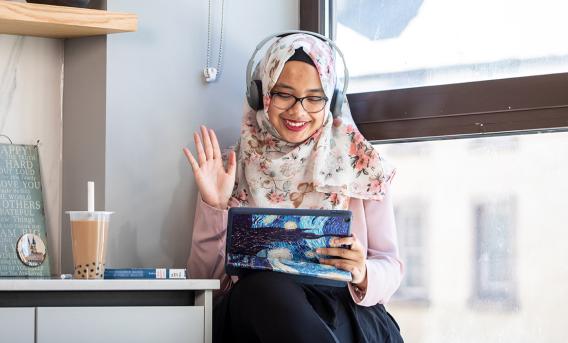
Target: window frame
{"points": [[530, 104]]}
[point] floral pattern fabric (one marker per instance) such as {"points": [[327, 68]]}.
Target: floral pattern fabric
{"points": [[323, 172]]}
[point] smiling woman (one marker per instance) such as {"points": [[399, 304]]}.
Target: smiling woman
{"points": [[292, 153], [295, 123], [297, 101]]}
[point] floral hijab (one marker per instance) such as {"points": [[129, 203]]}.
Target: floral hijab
{"points": [[323, 172]]}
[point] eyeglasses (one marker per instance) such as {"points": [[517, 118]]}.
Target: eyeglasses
{"points": [[310, 104]]}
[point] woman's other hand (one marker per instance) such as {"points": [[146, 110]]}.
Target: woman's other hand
{"points": [[351, 259], [215, 183]]}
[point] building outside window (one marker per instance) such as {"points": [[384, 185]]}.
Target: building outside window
{"points": [[489, 237], [412, 236], [495, 271]]}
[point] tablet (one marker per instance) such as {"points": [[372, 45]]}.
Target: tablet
{"points": [[285, 240]]}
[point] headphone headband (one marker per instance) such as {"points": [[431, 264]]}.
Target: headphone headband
{"points": [[263, 42]]}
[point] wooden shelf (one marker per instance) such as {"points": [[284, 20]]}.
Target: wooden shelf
{"points": [[61, 22]]}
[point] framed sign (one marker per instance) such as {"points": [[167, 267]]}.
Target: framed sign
{"points": [[23, 237]]}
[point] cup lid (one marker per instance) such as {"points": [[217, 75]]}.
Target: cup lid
{"points": [[86, 215]]}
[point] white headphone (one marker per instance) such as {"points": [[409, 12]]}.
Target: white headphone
{"points": [[254, 87]]}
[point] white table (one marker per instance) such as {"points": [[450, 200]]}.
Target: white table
{"points": [[45, 311]]}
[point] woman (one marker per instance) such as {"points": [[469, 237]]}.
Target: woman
{"points": [[293, 154]]}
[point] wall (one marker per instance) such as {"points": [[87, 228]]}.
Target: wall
{"points": [[155, 100], [31, 71]]}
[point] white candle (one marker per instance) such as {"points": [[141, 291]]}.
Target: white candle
{"points": [[91, 196]]}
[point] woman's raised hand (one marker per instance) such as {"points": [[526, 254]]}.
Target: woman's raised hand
{"points": [[215, 183]]}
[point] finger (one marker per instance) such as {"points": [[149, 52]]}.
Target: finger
{"points": [[340, 252], [232, 163], [207, 143], [357, 272], [199, 148], [341, 264], [192, 161], [340, 241], [357, 245], [215, 144], [353, 242]]}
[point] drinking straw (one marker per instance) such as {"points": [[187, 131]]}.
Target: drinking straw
{"points": [[91, 196]]}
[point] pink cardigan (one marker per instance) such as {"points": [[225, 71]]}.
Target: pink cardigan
{"points": [[373, 223]]}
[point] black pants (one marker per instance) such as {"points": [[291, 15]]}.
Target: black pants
{"points": [[272, 307]]}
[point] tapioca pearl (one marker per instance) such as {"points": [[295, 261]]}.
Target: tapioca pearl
{"points": [[94, 264]]}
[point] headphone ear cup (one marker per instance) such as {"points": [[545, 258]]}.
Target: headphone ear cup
{"points": [[254, 95], [336, 102]]}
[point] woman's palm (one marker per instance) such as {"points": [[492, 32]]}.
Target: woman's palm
{"points": [[214, 182]]}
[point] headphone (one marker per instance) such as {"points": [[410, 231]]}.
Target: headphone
{"points": [[254, 87]]}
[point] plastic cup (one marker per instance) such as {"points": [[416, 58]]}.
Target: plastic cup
{"points": [[89, 236]]}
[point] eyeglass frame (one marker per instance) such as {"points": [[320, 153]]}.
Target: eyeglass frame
{"points": [[301, 100]]}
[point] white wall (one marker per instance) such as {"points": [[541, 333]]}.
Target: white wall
{"points": [[30, 110], [156, 99]]}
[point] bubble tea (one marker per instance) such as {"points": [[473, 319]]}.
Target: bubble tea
{"points": [[89, 235]]}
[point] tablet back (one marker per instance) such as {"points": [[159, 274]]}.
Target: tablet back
{"points": [[285, 240]]}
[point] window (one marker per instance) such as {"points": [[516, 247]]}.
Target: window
{"points": [[484, 243], [501, 144], [415, 43], [472, 119], [488, 67], [409, 150], [411, 228], [495, 265]]}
